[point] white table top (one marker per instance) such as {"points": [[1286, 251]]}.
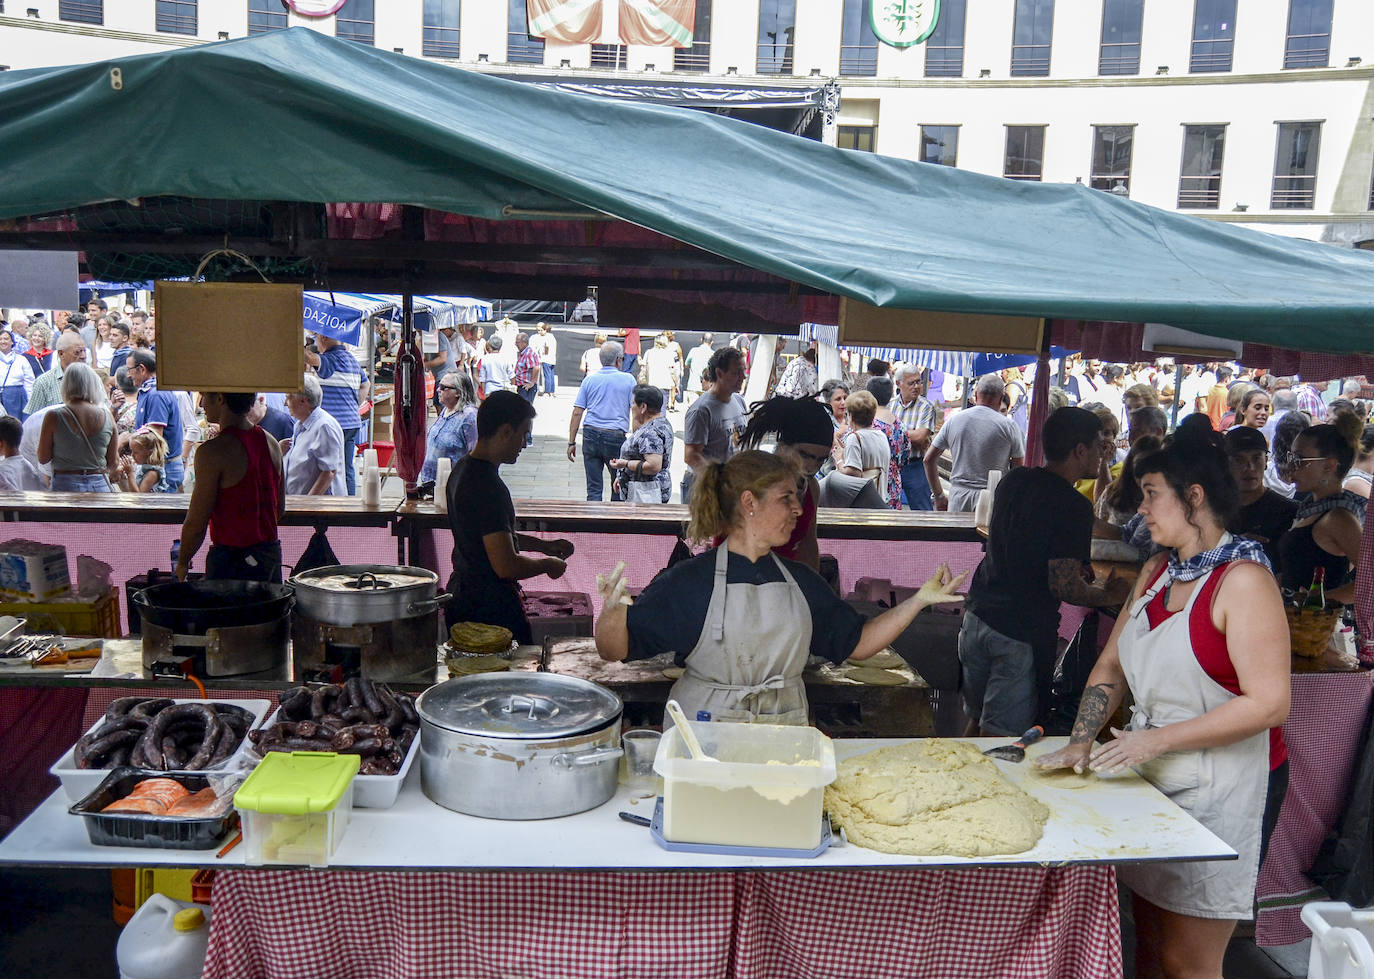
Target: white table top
{"points": [[1115, 820]]}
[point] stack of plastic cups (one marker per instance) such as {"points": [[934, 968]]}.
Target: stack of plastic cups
{"points": [[372, 486], [442, 469], [369, 459]]}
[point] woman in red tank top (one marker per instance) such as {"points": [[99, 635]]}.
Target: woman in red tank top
{"points": [[239, 496]]}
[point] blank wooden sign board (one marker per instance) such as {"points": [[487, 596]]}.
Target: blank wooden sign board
{"points": [[229, 336]]}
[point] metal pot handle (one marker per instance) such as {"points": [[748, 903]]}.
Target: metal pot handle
{"points": [[362, 581], [427, 605], [581, 759]]}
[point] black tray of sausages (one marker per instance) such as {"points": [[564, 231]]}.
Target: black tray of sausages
{"points": [[142, 830]]}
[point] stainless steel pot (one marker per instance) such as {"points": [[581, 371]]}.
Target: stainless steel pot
{"points": [[358, 594], [519, 745]]}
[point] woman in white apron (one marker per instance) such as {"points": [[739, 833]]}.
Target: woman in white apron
{"points": [[741, 620], [1203, 745]]}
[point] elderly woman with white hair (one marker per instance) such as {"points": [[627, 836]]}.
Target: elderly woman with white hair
{"points": [[313, 457], [77, 438]]}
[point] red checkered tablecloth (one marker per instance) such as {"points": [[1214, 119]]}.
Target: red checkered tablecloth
{"points": [[1022, 922], [1324, 733]]}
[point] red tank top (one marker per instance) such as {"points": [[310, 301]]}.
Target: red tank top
{"points": [[791, 550], [245, 514], [1209, 646]]}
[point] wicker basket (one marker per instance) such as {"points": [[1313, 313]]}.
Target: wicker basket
{"points": [[1310, 630]]}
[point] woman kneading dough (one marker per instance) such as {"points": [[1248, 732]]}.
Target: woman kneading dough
{"points": [[1204, 653], [741, 620]]}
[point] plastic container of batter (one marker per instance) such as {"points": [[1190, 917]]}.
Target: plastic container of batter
{"points": [[764, 788]]}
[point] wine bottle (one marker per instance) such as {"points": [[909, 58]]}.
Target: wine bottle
{"points": [[1316, 592]]}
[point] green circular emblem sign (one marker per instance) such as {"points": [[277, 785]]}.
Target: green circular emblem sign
{"points": [[902, 23]]}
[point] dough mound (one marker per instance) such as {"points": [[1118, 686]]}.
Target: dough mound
{"points": [[933, 797]]}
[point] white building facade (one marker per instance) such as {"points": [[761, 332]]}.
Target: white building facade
{"points": [[1258, 112]]}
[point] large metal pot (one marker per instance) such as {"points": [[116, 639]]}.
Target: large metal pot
{"points": [[519, 745], [358, 594]]}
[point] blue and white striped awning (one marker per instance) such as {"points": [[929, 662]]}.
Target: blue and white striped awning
{"points": [[947, 361], [340, 314]]}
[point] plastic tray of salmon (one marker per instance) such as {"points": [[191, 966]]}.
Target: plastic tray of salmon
{"points": [[173, 831]]}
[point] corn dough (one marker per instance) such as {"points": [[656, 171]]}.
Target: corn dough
{"points": [[883, 659], [875, 677], [933, 797]]}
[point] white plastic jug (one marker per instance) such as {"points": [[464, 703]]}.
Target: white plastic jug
{"points": [[165, 939]]}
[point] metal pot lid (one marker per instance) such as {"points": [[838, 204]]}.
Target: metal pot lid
{"points": [[365, 578], [519, 705]]}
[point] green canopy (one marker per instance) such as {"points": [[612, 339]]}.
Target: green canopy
{"points": [[299, 116]]}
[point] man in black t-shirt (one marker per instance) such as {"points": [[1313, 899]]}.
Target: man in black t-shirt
{"points": [[1038, 555], [487, 561], [1264, 515]]}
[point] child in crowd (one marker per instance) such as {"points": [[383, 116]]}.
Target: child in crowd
{"points": [[146, 471], [16, 472]]}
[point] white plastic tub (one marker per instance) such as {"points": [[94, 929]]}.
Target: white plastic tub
{"points": [[765, 789], [369, 791], [1342, 941], [81, 782]]}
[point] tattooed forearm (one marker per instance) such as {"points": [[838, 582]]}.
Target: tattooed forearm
{"points": [[1092, 712]]}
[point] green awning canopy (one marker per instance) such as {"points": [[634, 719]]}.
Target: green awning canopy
{"points": [[299, 116]]}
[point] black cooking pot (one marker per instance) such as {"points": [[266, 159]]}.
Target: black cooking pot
{"points": [[195, 607]]}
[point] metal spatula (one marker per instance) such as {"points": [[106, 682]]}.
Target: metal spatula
{"points": [[1017, 751]]}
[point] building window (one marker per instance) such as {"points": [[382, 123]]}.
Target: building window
{"points": [[265, 16], [440, 38], [1031, 31], [1295, 166], [82, 11], [355, 22], [698, 56], [940, 144], [176, 16], [1214, 35], [856, 138], [1120, 51], [1111, 168], [609, 56], [945, 46], [858, 43], [777, 34], [1199, 180], [521, 47], [1025, 159], [1309, 34]]}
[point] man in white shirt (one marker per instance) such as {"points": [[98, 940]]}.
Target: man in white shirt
{"points": [[495, 374], [546, 346], [979, 438], [28, 443], [313, 458]]}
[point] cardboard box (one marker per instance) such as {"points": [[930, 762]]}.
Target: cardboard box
{"points": [[33, 571]]}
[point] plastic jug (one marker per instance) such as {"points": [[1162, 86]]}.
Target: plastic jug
{"points": [[165, 939]]}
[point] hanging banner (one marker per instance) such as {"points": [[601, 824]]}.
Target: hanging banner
{"points": [[315, 8], [658, 23], [654, 23], [902, 23], [565, 21]]}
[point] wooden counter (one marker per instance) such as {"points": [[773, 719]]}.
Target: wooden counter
{"points": [[666, 519], [170, 508]]}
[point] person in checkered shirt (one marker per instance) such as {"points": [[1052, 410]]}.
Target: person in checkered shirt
{"points": [[526, 376]]}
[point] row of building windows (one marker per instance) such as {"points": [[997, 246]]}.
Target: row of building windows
{"points": [[1199, 185], [1308, 43]]}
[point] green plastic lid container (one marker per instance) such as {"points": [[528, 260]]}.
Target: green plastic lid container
{"points": [[298, 783]]}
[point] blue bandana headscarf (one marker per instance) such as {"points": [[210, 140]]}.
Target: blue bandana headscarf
{"points": [[1228, 549]]}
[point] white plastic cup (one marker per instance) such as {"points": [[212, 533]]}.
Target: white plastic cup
{"points": [[369, 459], [441, 473]]}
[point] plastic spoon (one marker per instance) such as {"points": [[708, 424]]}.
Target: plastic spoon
{"points": [[688, 735]]}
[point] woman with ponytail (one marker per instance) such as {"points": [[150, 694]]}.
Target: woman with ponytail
{"points": [[1204, 653], [740, 620]]}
